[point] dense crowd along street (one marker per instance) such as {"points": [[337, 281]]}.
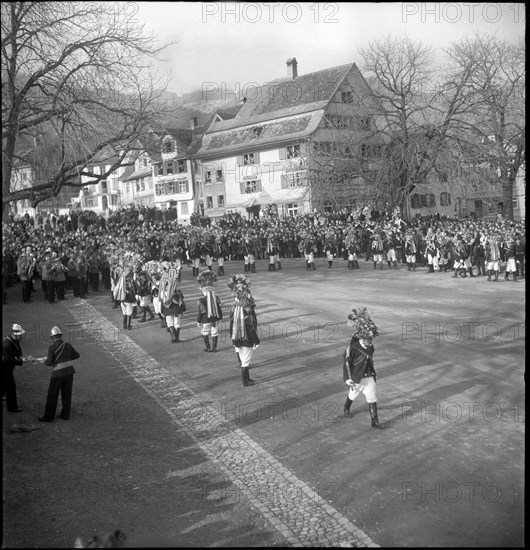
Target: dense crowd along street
{"points": [[78, 251]]}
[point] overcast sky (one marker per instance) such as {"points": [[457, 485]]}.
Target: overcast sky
{"points": [[228, 43]]}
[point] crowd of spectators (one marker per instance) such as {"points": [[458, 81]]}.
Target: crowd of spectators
{"points": [[87, 244]]}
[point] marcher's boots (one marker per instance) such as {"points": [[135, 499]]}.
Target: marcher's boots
{"points": [[238, 359], [270, 267], [307, 266], [381, 266], [395, 265], [375, 265], [470, 271], [214, 344], [247, 268], [313, 266], [356, 264], [222, 270], [246, 377], [151, 314], [489, 274], [373, 414], [206, 343], [116, 304], [179, 276], [496, 276], [347, 406], [350, 264], [463, 272], [514, 276], [144, 313], [163, 324], [456, 273], [413, 266], [129, 321], [135, 312], [388, 264], [431, 268], [279, 265], [253, 268], [173, 335], [273, 266], [409, 266], [330, 264], [125, 321], [219, 270]]}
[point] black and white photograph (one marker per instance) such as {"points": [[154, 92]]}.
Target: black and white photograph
{"points": [[238, 249]]}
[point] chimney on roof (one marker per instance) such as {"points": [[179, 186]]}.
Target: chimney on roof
{"points": [[292, 67]]}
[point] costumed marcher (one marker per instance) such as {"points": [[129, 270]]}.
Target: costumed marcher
{"points": [[172, 301], [377, 249], [410, 252], [11, 358], [493, 257], [358, 370], [143, 289], [243, 325], [60, 357], [210, 311], [155, 298], [509, 257], [249, 255], [125, 293], [22, 272]]}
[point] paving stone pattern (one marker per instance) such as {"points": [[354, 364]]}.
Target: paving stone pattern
{"points": [[300, 514]]}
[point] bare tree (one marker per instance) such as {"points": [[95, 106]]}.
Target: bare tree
{"points": [[418, 110], [77, 78], [495, 120]]}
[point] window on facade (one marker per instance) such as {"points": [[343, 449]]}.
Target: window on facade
{"points": [[293, 151], [415, 201], [219, 176], [347, 97], [160, 189], [169, 167], [183, 186], [127, 188], [445, 199], [515, 202], [292, 210], [150, 183], [429, 200], [169, 146], [365, 123], [145, 162], [89, 203], [181, 166], [294, 179], [220, 201], [248, 159], [209, 202], [103, 186], [251, 186], [208, 177], [172, 187], [114, 200], [160, 169]]}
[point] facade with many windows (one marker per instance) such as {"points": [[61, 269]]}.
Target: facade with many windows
{"points": [[278, 148]]}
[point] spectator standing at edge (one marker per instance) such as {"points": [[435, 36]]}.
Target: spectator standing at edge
{"points": [[60, 355], [11, 358]]}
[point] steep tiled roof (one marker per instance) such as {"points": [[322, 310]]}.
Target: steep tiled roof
{"points": [[288, 96], [245, 138], [143, 172]]}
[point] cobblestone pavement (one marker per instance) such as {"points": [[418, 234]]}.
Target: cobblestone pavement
{"points": [[295, 510]]}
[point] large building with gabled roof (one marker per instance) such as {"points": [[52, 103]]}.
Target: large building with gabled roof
{"points": [[287, 142]]}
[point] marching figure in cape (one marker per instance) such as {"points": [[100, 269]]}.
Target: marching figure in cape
{"points": [[210, 311], [172, 301], [358, 370], [243, 325]]}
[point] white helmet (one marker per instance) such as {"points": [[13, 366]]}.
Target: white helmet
{"points": [[56, 331]]}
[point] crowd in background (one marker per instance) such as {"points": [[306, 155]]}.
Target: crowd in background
{"points": [[77, 251]]}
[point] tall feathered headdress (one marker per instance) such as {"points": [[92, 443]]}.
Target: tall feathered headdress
{"points": [[207, 278], [359, 319], [239, 286]]}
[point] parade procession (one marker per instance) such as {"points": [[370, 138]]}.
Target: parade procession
{"points": [[258, 300]]}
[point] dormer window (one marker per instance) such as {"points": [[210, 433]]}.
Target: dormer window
{"points": [[257, 131], [169, 147]]}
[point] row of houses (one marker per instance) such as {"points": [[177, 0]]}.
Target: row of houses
{"points": [[263, 150]]}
